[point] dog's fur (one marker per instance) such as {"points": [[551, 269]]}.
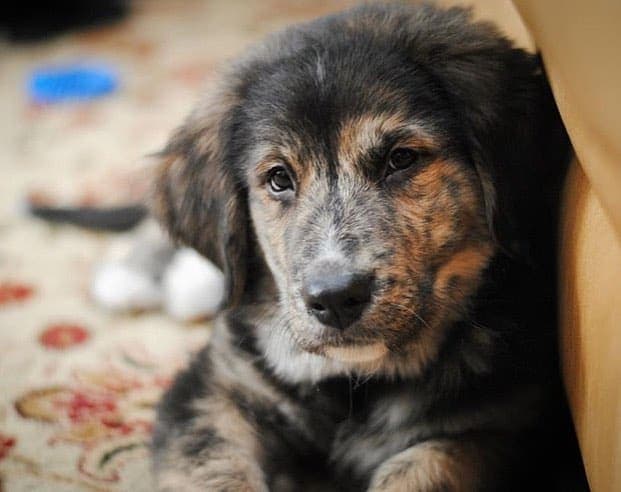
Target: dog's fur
{"points": [[444, 378]]}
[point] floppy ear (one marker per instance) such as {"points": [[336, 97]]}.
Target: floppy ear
{"points": [[509, 120], [197, 198]]}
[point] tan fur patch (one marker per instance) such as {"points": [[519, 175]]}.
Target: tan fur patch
{"points": [[362, 133], [432, 465], [365, 353], [465, 266]]}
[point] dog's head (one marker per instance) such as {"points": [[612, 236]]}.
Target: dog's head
{"points": [[371, 160]]}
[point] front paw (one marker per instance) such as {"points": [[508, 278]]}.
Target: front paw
{"points": [[243, 478], [225, 483], [426, 467]]}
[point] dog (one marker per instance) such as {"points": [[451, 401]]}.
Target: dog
{"points": [[379, 187]]}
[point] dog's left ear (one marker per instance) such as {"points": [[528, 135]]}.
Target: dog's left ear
{"points": [[509, 120], [197, 197]]}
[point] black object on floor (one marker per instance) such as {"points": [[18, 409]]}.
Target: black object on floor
{"points": [[102, 219], [37, 20]]}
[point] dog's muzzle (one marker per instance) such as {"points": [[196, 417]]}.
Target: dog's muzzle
{"points": [[335, 295]]}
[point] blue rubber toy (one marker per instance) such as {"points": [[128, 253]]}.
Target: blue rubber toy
{"points": [[73, 82]]}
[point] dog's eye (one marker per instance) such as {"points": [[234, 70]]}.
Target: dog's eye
{"points": [[280, 180], [402, 158]]}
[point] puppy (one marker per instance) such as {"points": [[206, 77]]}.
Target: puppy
{"points": [[378, 187]]}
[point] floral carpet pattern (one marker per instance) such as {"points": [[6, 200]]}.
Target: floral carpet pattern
{"points": [[78, 385]]}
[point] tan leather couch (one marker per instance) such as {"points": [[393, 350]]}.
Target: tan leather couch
{"points": [[580, 42]]}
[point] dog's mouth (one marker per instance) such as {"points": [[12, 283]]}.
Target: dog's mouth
{"points": [[356, 353], [350, 349], [357, 345]]}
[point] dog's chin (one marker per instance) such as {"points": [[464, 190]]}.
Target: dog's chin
{"points": [[351, 347], [349, 352], [356, 354]]}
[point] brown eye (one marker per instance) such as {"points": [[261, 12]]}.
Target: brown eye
{"points": [[402, 158], [279, 180]]}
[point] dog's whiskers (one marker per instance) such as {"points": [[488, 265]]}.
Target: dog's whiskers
{"points": [[410, 311], [362, 381], [351, 396]]}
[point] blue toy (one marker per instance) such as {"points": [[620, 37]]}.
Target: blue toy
{"points": [[80, 81]]}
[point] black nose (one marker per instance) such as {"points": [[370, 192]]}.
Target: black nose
{"points": [[335, 298]]}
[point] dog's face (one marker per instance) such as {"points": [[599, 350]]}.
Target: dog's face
{"points": [[367, 210], [356, 158]]}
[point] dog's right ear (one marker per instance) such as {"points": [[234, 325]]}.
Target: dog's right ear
{"points": [[196, 197]]}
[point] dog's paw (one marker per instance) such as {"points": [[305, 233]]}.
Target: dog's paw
{"points": [[426, 467], [245, 478]]}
